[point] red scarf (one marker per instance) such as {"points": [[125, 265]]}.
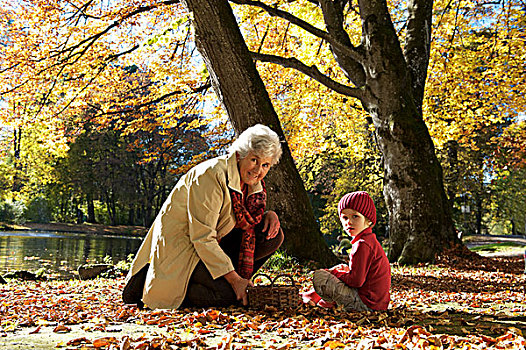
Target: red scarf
{"points": [[248, 215]]}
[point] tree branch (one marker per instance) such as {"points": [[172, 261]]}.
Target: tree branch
{"points": [[63, 66], [92, 39], [74, 98], [80, 12], [418, 44], [88, 41], [101, 69], [333, 17], [199, 89], [272, 11], [117, 55], [310, 71], [3, 70], [334, 21]]}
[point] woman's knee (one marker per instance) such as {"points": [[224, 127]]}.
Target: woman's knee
{"points": [[268, 247]]}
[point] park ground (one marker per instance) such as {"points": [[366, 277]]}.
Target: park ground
{"points": [[463, 300]]}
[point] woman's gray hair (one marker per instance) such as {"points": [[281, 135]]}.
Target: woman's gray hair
{"points": [[260, 140]]}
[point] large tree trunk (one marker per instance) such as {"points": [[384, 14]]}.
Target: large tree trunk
{"points": [[420, 221], [419, 218], [242, 92]]}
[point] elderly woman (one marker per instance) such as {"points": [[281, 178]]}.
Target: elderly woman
{"points": [[212, 233]]}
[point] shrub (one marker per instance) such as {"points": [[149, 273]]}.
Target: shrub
{"points": [[12, 212], [38, 210]]}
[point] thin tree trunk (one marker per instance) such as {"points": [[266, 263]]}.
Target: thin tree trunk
{"points": [[240, 89], [17, 182], [131, 215], [478, 214], [110, 206], [452, 178], [91, 208]]}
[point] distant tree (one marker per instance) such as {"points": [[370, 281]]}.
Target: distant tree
{"points": [[130, 173], [508, 185], [509, 192]]}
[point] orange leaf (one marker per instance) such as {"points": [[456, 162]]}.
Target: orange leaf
{"points": [[98, 343], [61, 329], [333, 344], [212, 315]]}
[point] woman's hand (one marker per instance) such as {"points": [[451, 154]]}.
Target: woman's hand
{"points": [[240, 285], [271, 224]]}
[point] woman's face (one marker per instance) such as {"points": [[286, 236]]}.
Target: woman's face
{"points": [[253, 168]]}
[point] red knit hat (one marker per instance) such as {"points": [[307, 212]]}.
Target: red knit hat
{"points": [[361, 202]]}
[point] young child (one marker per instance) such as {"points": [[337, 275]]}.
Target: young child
{"points": [[364, 284]]}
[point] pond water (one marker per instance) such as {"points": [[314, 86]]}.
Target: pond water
{"points": [[59, 253]]}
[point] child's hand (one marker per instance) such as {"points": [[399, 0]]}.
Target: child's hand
{"points": [[340, 268]]}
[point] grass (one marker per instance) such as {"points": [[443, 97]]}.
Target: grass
{"points": [[280, 261], [499, 248]]}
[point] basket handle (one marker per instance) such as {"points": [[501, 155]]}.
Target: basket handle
{"points": [[284, 275], [263, 275]]}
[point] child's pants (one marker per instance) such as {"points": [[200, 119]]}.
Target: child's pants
{"points": [[332, 289]]}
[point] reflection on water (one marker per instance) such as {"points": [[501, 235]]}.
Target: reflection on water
{"points": [[60, 253]]}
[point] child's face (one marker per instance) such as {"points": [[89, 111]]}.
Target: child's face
{"points": [[353, 222]]}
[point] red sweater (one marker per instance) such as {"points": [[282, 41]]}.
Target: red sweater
{"points": [[370, 271]]}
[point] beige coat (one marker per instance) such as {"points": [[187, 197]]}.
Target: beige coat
{"points": [[195, 215]]}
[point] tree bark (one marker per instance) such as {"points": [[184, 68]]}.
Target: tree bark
{"points": [[420, 223], [240, 89]]}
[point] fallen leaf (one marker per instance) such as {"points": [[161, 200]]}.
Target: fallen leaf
{"points": [[36, 330], [61, 329], [78, 341]]}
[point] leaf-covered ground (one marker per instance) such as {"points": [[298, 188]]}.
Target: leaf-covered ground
{"points": [[464, 301]]}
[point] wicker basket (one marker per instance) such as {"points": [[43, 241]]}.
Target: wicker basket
{"points": [[280, 296]]}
